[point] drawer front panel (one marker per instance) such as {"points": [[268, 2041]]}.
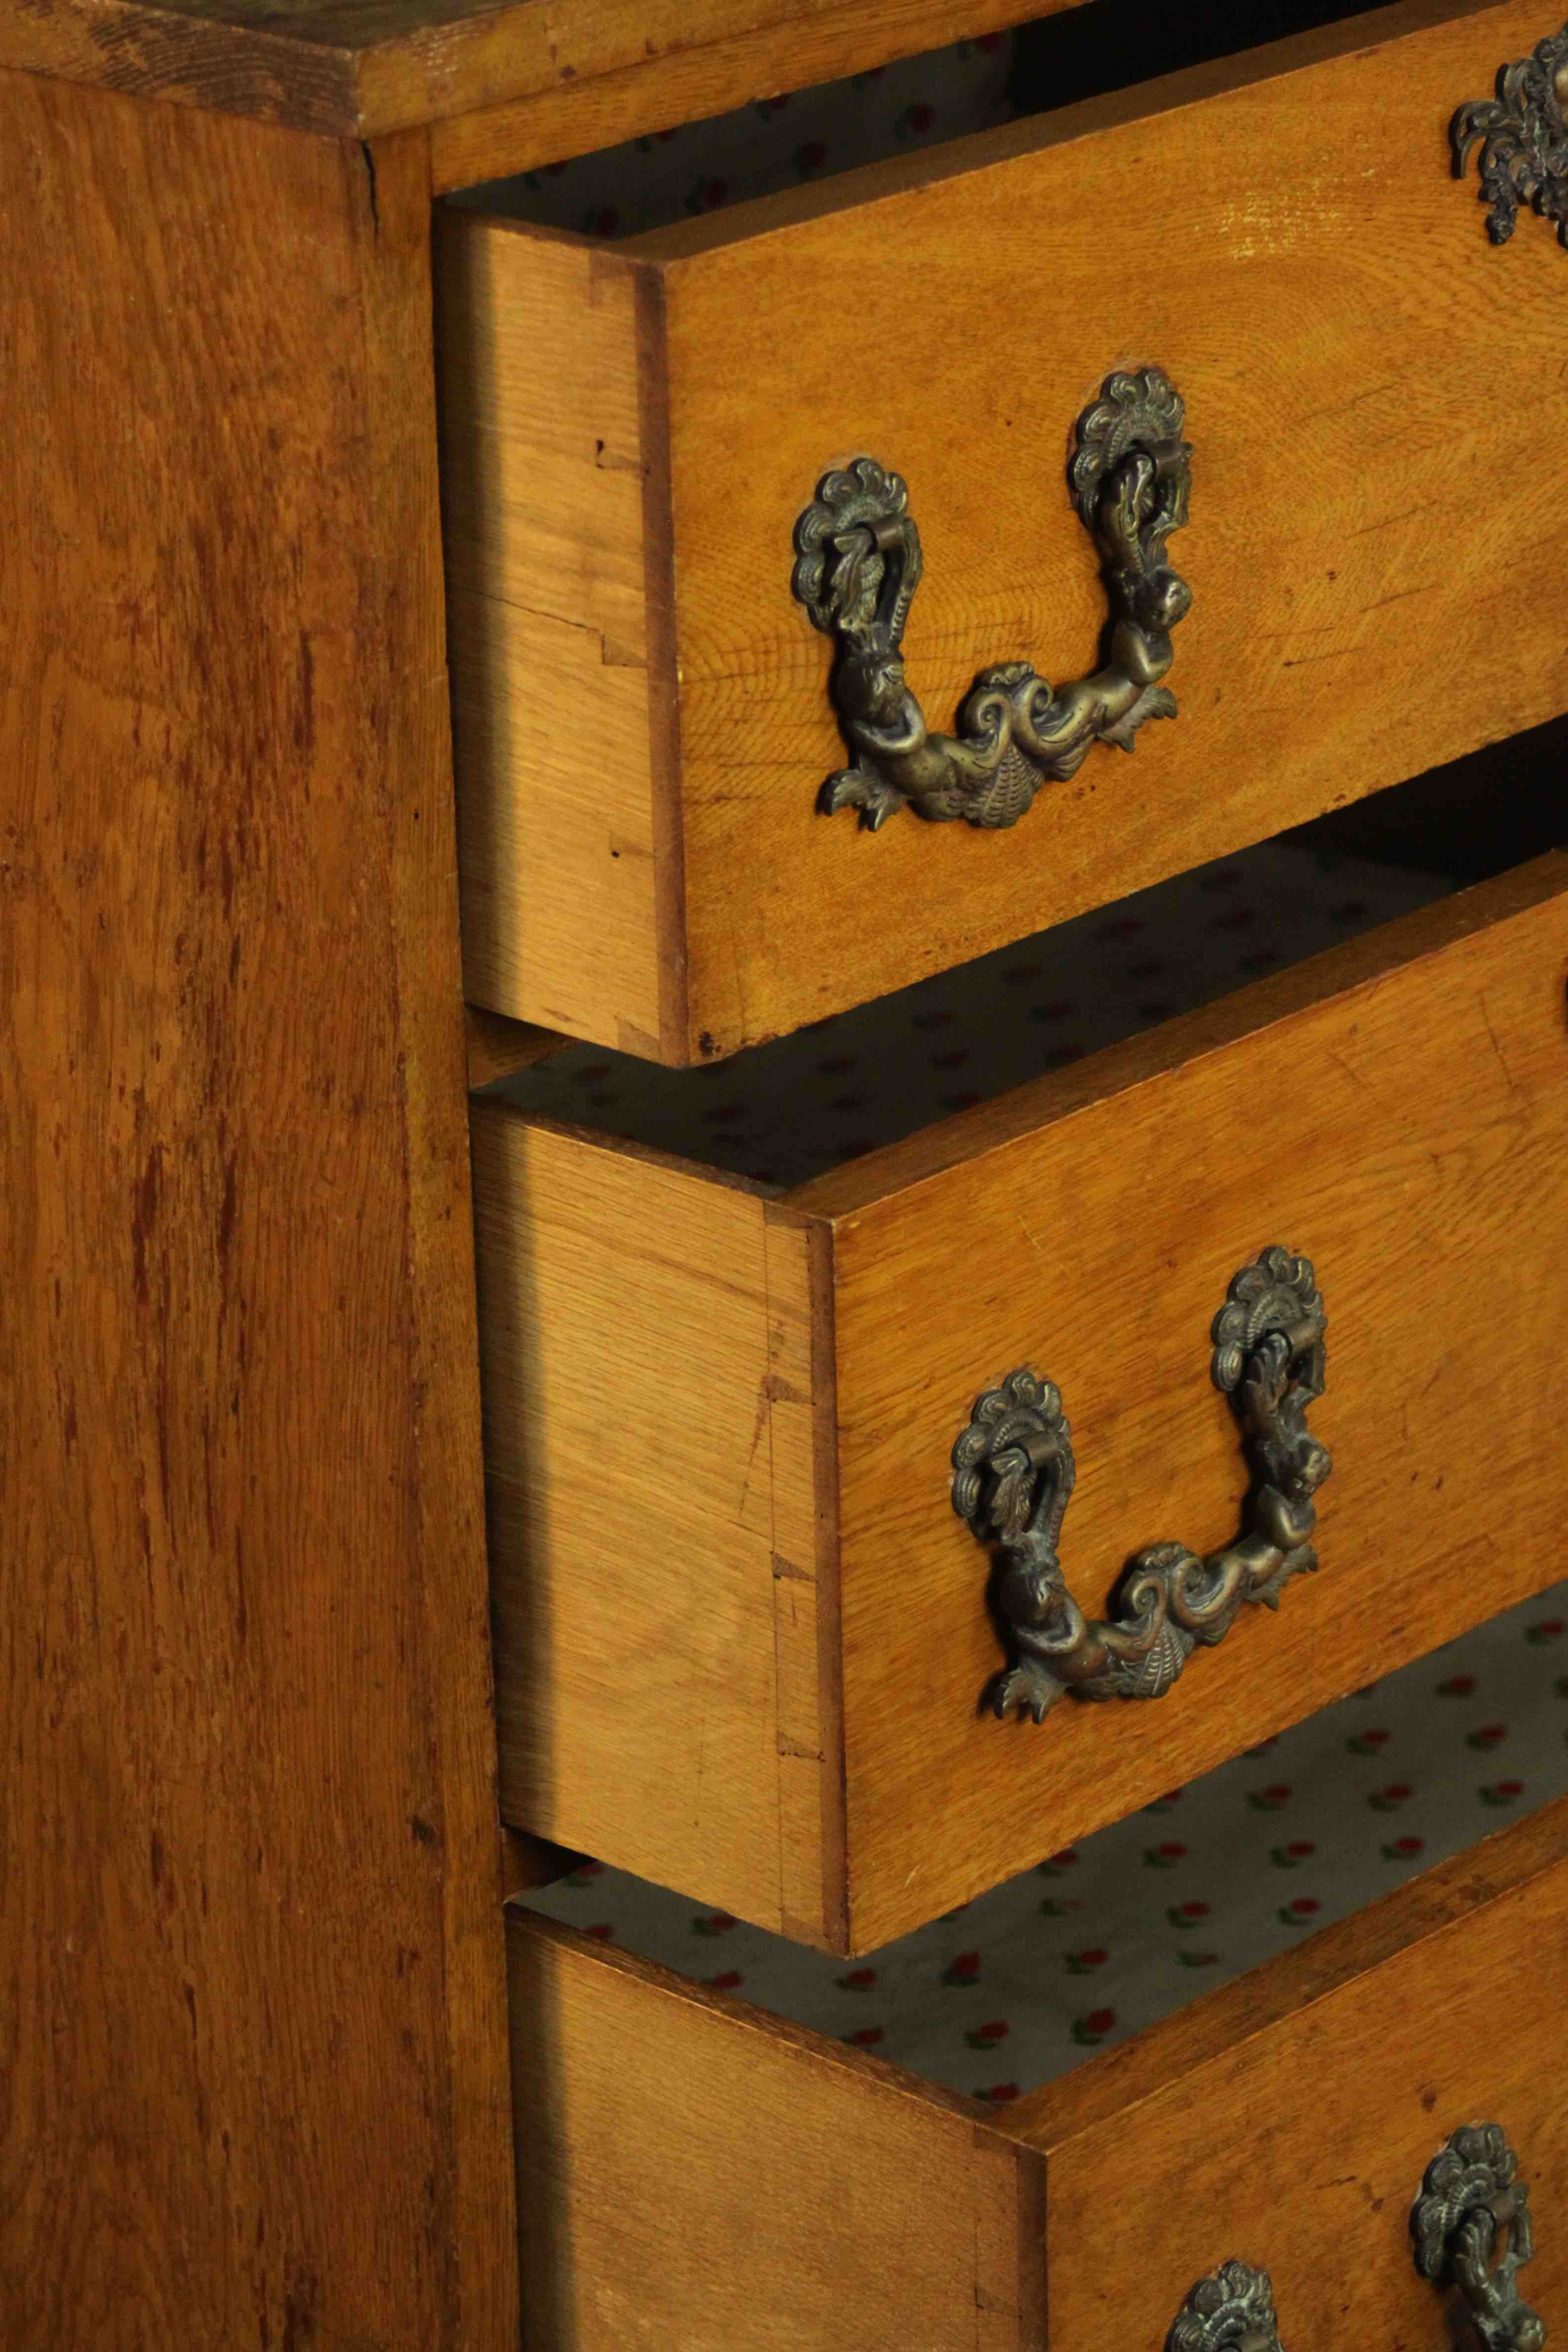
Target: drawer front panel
{"points": [[632, 433], [1407, 1134], [743, 1638], [693, 2172]]}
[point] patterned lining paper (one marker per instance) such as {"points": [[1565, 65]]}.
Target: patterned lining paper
{"points": [[777, 142], [1103, 1940], [785, 1112]]}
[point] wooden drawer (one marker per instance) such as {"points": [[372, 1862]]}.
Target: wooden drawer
{"points": [[631, 432], [741, 1637], [693, 2173]]}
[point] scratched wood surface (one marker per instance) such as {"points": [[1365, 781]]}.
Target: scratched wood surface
{"points": [[1378, 584], [1394, 1108], [253, 2084], [508, 80]]}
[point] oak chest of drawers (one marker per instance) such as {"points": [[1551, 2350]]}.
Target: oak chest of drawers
{"points": [[491, 710]]}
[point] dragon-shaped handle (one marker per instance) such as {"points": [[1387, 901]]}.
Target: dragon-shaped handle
{"points": [[857, 566], [1471, 2194], [1013, 1478], [1523, 140]]}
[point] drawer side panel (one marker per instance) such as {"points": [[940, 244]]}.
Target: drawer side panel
{"points": [[654, 1664], [694, 2174], [561, 706]]}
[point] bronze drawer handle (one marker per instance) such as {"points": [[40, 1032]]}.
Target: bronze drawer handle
{"points": [[1013, 1478], [1231, 2310], [1523, 142], [857, 566], [1471, 2194]]}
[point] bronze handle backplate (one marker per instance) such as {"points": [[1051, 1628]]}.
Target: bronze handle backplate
{"points": [[1470, 2197], [1231, 2310], [857, 566], [1013, 1478], [1523, 140]]}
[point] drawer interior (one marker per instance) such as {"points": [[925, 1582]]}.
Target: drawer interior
{"points": [[1106, 1939], [693, 2171]]}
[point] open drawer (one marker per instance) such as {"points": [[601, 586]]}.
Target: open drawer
{"points": [[694, 2172], [743, 1641], [633, 432]]}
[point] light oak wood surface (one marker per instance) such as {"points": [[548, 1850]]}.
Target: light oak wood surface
{"points": [[707, 2175], [363, 67], [660, 1693], [1378, 583], [253, 2081], [1394, 1108], [559, 631]]}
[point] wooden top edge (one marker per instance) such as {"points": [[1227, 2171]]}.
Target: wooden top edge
{"points": [[1362, 962], [1240, 68], [1436, 1902], [365, 68]]}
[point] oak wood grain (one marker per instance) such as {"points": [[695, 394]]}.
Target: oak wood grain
{"points": [[252, 2037], [696, 2173], [1301, 262], [1394, 1108], [364, 67], [1291, 2116]]}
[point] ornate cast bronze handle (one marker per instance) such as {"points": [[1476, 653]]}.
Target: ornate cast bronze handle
{"points": [[857, 566], [1013, 1478], [1231, 2310], [1470, 2195], [1523, 140]]}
